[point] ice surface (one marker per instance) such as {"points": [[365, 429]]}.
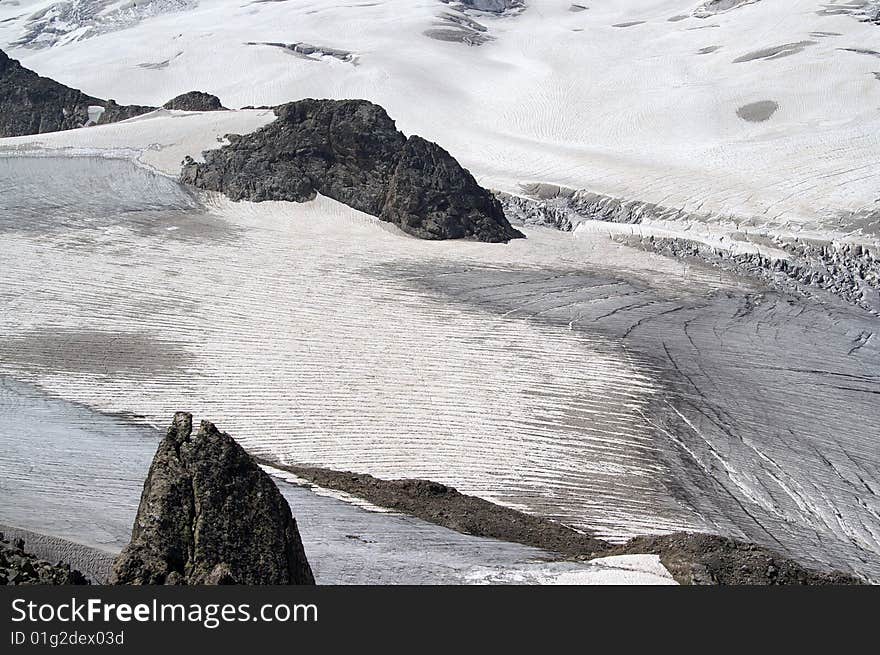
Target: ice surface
{"points": [[616, 570], [566, 375], [158, 141], [301, 330], [556, 96], [71, 473]]}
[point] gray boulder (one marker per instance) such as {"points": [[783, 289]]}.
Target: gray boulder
{"points": [[195, 101], [351, 151], [209, 515]]}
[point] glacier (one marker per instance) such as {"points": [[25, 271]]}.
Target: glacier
{"points": [[604, 376]]}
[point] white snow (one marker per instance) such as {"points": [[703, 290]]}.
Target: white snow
{"points": [[614, 570], [634, 112], [637, 569], [95, 113]]}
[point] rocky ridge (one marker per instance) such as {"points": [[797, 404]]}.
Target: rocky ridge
{"points": [[209, 515], [351, 151], [446, 506]]}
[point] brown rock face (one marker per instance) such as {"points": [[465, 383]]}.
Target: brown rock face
{"points": [[209, 515], [351, 151]]}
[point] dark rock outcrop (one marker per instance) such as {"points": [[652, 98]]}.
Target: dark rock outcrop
{"points": [[30, 104], [209, 515], [113, 113], [18, 567], [309, 51], [351, 151], [195, 101], [705, 559]]}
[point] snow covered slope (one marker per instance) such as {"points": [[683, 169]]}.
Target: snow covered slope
{"points": [[764, 109]]}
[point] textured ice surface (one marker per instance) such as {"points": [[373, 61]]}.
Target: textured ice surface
{"points": [[299, 328], [555, 96], [767, 401], [562, 374], [69, 472]]}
